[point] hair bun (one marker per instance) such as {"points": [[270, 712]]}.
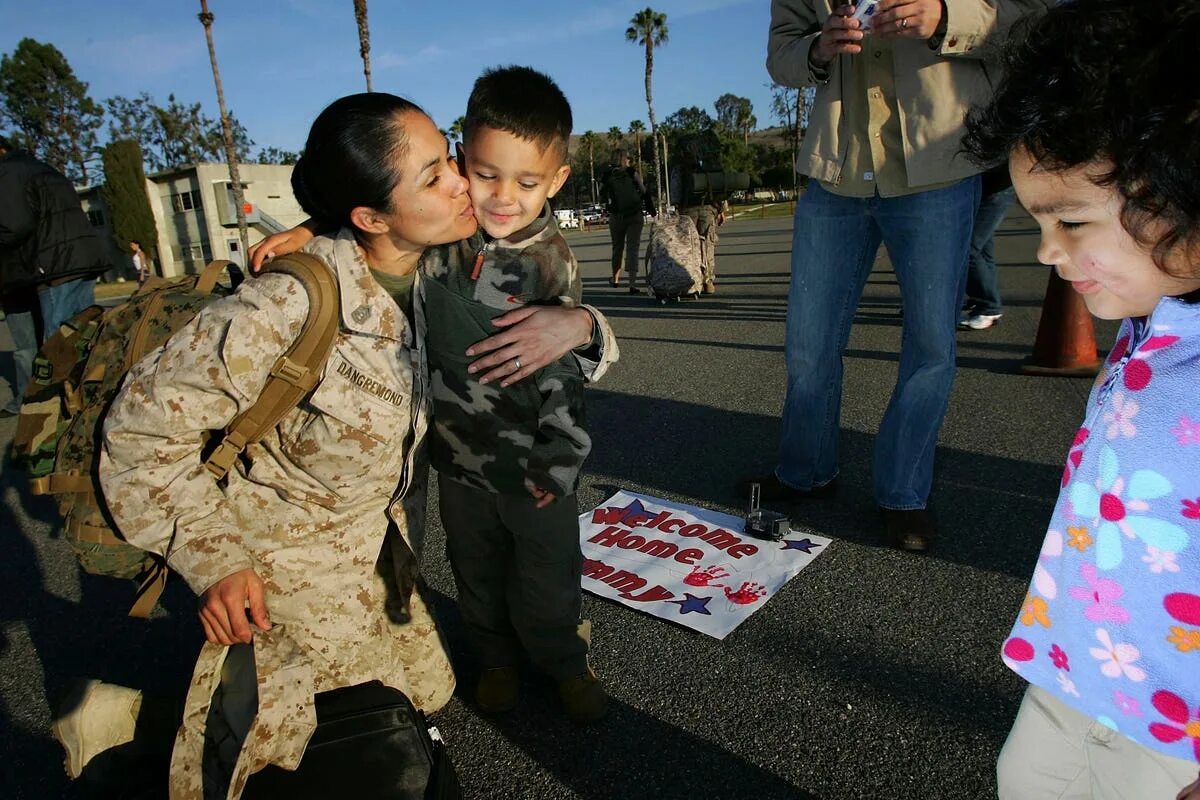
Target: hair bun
{"points": [[304, 195]]}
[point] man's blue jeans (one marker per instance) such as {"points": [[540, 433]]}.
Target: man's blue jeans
{"points": [[983, 288], [23, 329], [60, 303], [834, 243]]}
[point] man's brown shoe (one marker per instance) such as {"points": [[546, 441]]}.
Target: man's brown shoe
{"points": [[583, 697], [910, 529], [496, 691]]}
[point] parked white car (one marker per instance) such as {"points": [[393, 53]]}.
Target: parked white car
{"points": [[566, 218]]}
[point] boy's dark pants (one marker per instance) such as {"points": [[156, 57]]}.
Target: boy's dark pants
{"points": [[518, 570]]}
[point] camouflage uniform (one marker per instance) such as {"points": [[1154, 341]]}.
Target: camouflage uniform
{"points": [[517, 568], [308, 510], [705, 216]]}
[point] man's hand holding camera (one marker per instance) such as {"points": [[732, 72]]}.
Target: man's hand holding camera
{"points": [[842, 34]]}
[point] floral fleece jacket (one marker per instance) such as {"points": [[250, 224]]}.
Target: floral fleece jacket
{"points": [[1111, 622]]}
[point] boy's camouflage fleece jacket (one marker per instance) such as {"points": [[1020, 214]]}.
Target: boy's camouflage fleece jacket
{"points": [[503, 439]]}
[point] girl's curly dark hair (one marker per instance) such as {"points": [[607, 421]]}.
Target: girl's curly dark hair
{"points": [[1116, 85]]}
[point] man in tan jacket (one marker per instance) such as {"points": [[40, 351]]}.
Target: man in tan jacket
{"points": [[882, 152]]}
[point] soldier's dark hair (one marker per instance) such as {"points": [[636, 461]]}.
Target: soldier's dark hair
{"points": [[523, 102], [352, 157], [1115, 89]]}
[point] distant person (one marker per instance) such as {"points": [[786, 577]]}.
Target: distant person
{"points": [[141, 261], [46, 241], [983, 307], [699, 202], [1098, 118], [23, 317], [623, 191], [882, 152]]}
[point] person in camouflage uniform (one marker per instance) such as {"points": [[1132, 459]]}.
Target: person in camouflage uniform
{"points": [[702, 206], [509, 458], [315, 535]]}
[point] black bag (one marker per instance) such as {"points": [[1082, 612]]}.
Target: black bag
{"points": [[370, 742], [624, 198]]}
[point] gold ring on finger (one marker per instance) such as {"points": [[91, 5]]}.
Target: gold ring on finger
{"points": [[517, 362]]}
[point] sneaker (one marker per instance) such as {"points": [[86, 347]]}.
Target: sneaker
{"points": [[979, 322], [496, 691], [909, 529], [106, 717], [773, 490], [583, 697]]}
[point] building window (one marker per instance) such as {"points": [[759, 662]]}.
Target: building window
{"points": [[96, 217], [185, 201]]}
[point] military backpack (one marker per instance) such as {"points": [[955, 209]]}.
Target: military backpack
{"points": [[80, 369]]}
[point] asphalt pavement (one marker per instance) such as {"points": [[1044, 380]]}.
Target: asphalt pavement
{"points": [[874, 673]]}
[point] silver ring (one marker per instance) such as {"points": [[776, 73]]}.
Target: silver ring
{"points": [[517, 361], [904, 22]]}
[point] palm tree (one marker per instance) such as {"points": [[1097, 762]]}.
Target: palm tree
{"points": [[364, 38], [649, 28], [589, 140], [637, 128], [456, 129], [615, 138], [239, 198]]}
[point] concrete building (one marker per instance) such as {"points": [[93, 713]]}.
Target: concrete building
{"points": [[196, 217]]}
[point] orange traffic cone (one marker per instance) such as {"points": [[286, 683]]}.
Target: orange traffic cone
{"points": [[1066, 341]]}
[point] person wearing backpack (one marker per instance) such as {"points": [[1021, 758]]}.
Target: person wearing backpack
{"points": [[304, 558], [623, 191]]}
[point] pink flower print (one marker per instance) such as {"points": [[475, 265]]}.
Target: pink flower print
{"points": [[1043, 580], [1059, 657], [1114, 503], [1117, 659], [1067, 685], [1191, 508], [1102, 595], [1120, 418], [1129, 706], [1160, 561], [1118, 350], [1186, 432], [1137, 375], [1074, 456], [1016, 652], [1176, 710]]}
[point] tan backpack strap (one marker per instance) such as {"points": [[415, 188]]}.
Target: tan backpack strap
{"points": [[90, 534], [150, 589], [212, 273], [298, 371], [61, 483]]}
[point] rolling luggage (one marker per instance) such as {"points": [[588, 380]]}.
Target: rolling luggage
{"points": [[674, 259]]}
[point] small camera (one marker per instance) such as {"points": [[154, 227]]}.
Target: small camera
{"points": [[764, 524], [864, 11]]}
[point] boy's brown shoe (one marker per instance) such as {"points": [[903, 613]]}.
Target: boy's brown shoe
{"points": [[496, 691], [583, 697]]}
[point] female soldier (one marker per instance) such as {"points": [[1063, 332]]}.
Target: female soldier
{"points": [[296, 539]]}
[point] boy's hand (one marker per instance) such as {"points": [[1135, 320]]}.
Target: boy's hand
{"points": [[223, 608], [543, 497], [280, 244], [1190, 792]]}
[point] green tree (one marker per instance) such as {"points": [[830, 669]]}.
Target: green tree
{"points": [[589, 140], [275, 155], [649, 29], [124, 192], [227, 133], [171, 135], [736, 114], [789, 108], [637, 128], [49, 107], [456, 129], [364, 38], [616, 139]]}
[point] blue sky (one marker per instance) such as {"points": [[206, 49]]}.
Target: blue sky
{"points": [[283, 60]]}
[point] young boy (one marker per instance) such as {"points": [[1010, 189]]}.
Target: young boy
{"points": [[1099, 116], [509, 457]]}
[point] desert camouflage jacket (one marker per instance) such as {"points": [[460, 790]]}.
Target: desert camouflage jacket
{"points": [[503, 439], [338, 484]]}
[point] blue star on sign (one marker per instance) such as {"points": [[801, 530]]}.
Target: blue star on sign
{"points": [[803, 545], [691, 603]]}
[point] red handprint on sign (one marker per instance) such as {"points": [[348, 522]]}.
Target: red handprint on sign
{"points": [[706, 576], [747, 594]]}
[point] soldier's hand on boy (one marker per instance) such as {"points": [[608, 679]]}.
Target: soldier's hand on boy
{"points": [[224, 605], [543, 497], [1190, 792], [517, 352]]}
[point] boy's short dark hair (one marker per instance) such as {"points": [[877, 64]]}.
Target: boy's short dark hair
{"points": [[1114, 84], [523, 102]]}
